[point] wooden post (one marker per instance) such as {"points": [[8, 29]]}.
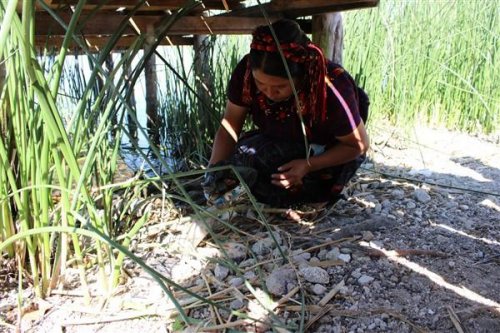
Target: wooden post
{"points": [[328, 33], [132, 111], [204, 80], [153, 120]]}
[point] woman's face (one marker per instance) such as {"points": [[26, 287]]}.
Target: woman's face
{"points": [[275, 88]]}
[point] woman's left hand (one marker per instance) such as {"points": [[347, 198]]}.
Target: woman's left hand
{"points": [[290, 174]]}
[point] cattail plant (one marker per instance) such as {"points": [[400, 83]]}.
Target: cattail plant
{"points": [[429, 62]]}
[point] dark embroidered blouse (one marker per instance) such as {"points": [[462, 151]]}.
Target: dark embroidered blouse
{"points": [[279, 119]]}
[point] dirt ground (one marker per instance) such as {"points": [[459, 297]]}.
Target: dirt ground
{"points": [[414, 248]]}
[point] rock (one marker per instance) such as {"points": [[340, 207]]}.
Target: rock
{"points": [[365, 279], [314, 260], [236, 281], [322, 254], [397, 194], [182, 272], [345, 257], [333, 254], [221, 272], [451, 204], [315, 275], [277, 236], [423, 172], [250, 275], [71, 278], [263, 246], [411, 204], [237, 304], [301, 256], [367, 236], [345, 250], [280, 280], [247, 263], [319, 289], [421, 195], [235, 251]]}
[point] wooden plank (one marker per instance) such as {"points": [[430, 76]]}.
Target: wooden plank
{"points": [[150, 4], [102, 24], [97, 42], [299, 8]]}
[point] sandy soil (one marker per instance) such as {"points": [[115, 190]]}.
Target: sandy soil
{"points": [[414, 248]]}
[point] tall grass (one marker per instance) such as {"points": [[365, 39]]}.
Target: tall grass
{"points": [[192, 110], [433, 62], [58, 159], [57, 169]]}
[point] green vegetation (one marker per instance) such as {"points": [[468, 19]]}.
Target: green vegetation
{"points": [[420, 62], [433, 62]]}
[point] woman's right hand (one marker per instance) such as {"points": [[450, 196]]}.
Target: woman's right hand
{"points": [[290, 174]]}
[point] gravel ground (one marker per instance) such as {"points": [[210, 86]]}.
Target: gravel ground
{"points": [[414, 248]]}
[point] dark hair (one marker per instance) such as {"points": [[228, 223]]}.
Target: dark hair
{"points": [[271, 63]]}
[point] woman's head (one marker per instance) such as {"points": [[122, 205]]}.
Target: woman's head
{"points": [[304, 60], [264, 54]]}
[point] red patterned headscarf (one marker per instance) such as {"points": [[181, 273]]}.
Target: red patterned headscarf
{"points": [[313, 95]]}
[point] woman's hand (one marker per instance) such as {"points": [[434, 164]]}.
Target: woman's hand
{"points": [[290, 174]]}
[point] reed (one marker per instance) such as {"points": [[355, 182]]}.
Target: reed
{"points": [[433, 62], [62, 129], [60, 145]]}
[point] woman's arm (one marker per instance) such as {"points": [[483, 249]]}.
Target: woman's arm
{"points": [[349, 147], [228, 133]]}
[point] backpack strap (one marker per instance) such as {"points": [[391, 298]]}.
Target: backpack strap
{"points": [[342, 102], [363, 99]]}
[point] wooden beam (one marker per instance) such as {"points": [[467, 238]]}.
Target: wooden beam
{"points": [[96, 43], [298, 8], [153, 5], [106, 24]]}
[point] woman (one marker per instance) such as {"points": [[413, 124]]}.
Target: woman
{"points": [[288, 172]]}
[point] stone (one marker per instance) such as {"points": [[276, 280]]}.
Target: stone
{"points": [[315, 275], [411, 205], [263, 246], [250, 275], [397, 194], [237, 304], [322, 254], [235, 251], [236, 281], [356, 273], [367, 235], [333, 254], [318, 289], [221, 272], [365, 279], [314, 260], [280, 280], [345, 257], [421, 195], [247, 263]]}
